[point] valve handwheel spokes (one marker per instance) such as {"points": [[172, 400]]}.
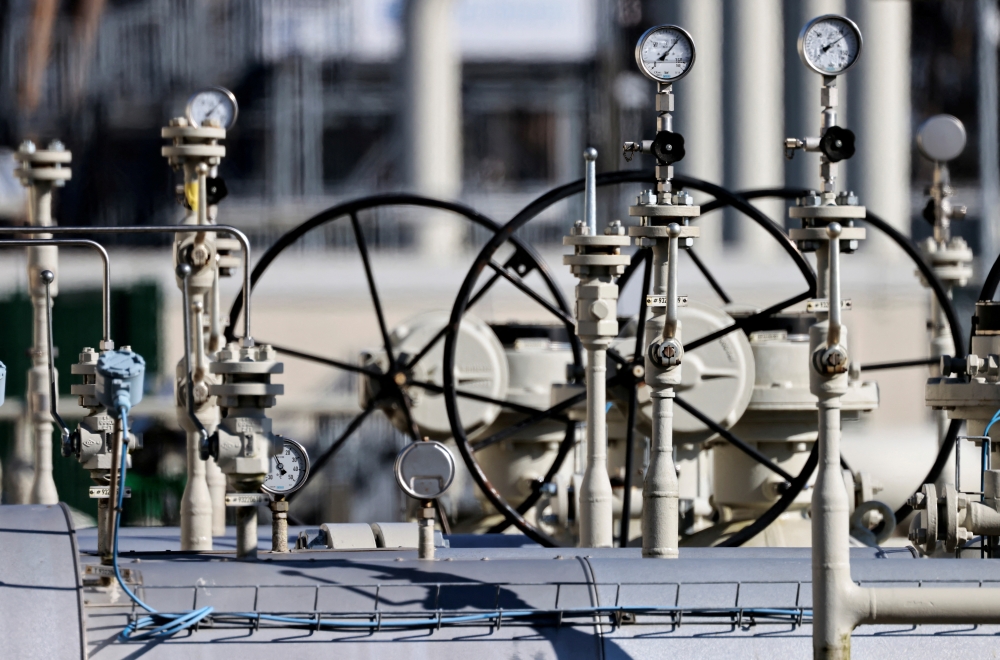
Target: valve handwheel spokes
{"points": [[392, 384], [629, 372]]}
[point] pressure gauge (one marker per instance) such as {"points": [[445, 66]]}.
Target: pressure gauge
{"points": [[289, 469], [665, 53], [941, 138], [830, 44], [424, 469], [216, 103]]}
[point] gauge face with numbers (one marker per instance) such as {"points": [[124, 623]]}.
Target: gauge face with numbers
{"points": [[289, 469], [216, 103], [830, 44], [665, 53]]}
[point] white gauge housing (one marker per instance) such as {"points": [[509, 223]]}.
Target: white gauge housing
{"points": [[665, 53], [289, 469], [212, 103], [830, 44], [941, 138], [424, 469]]}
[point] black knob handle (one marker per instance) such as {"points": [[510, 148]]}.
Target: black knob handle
{"points": [[215, 190], [837, 144], [668, 147], [209, 447]]}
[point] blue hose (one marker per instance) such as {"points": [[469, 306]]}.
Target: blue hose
{"points": [[164, 625], [986, 454]]}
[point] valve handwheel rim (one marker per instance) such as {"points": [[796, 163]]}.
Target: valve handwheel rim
{"points": [[398, 376]]}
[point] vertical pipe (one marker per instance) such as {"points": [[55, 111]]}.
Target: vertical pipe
{"points": [[660, 489], [942, 343], [425, 540], [833, 334], [590, 190], [43, 486], [670, 322], [755, 132], [596, 514], [831, 569], [879, 107], [987, 24], [246, 532], [214, 478], [196, 502], [832, 617], [432, 115], [279, 525]]}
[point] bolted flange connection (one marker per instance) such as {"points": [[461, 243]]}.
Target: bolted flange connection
{"points": [[91, 442], [950, 518], [43, 166], [244, 443]]}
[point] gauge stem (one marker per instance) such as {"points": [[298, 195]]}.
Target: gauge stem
{"points": [[664, 122]]}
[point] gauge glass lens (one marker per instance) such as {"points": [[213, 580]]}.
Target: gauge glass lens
{"points": [[212, 104], [831, 45], [666, 54], [287, 470]]}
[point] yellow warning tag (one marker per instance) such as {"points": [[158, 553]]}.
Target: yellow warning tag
{"points": [[191, 193]]}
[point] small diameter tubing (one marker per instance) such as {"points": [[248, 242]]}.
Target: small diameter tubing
{"points": [[166, 624], [64, 431], [72, 242], [161, 229], [376, 622]]}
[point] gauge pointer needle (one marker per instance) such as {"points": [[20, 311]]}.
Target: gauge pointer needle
{"points": [[832, 43], [667, 52], [281, 468]]}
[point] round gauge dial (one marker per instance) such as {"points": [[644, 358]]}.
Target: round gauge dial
{"points": [[289, 469], [830, 44], [665, 53], [216, 103]]}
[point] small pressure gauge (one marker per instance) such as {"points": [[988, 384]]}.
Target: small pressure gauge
{"points": [[216, 103], [830, 44], [941, 138], [424, 469], [289, 469], [665, 53]]}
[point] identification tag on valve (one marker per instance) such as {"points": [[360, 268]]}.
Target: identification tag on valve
{"points": [[101, 571], [661, 301], [823, 305], [247, 499], [104, 492]]}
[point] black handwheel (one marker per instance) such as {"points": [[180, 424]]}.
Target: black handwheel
{"points": [[392, 384], [625, 374]]}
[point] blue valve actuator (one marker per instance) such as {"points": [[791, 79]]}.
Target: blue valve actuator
{"points": [[3, 381], [119, 379]]}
